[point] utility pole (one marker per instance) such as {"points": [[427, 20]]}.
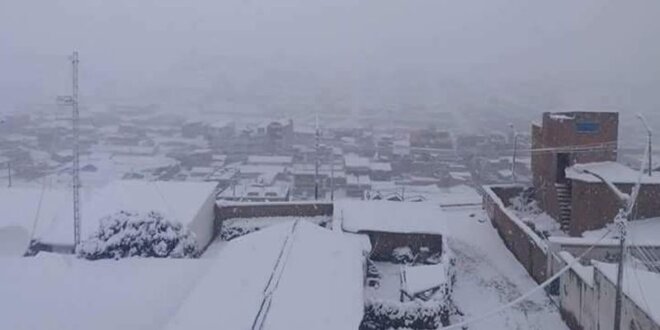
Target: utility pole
{"points": [[332, 176], [76, 152], [625, 214], [649, 133], [9, 173], [621, 224], [316, 167], [515, 153], [72, 100]]}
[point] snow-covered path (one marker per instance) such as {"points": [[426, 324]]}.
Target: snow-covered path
{"points": [[488, 276]]}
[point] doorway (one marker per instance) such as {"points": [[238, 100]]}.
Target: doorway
{"points": [[563, 162]]}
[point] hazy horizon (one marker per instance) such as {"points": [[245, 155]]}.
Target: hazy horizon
{"points": [[295, 54]]}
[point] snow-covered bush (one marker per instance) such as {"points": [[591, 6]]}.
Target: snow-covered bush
{"points": [[417, 315], [133, 234], [403, 255]]}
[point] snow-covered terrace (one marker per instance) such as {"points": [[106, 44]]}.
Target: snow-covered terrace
{"points": [[289, 276]]}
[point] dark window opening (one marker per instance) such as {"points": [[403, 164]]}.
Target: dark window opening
{"points": [[563, 162]]}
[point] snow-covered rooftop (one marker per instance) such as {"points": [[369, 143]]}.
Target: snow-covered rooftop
{"points": [[640, 232], [641, 286], [611, 171], [277, 160], [294, 275], [381, 166], [63, 292], [393, 217], [180, 201], [353, 160]]}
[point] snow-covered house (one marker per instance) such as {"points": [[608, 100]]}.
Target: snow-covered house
{"points": [[392, 225], [189, 203], [294, 275]]}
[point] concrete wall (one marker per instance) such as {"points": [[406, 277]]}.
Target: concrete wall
{"points": [[588, 303], [594, 205], [525, 245]]}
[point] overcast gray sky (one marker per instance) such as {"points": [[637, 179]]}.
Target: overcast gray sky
{"points": [[306, 48]]}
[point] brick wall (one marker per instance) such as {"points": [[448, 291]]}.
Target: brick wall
{"points": [[595, 205], [256, 210], [556, 133], [383, 244], [525, 245]]}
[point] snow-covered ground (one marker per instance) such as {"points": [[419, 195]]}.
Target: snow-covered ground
{"points": [[488, 276]]}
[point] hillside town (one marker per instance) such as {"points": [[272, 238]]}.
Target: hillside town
{"points": [[344, 165], [395, 212]]}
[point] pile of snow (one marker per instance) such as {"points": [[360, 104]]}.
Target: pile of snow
{"points": [[294, 275], [126, 234], [237, 227], [392, 217]]}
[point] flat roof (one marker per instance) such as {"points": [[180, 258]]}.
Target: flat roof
{"points": [[392, 217], [611, 171]]}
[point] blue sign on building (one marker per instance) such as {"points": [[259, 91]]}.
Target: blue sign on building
{"points": [[587, 127]]}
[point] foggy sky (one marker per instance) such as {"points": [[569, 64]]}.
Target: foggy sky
{"points": [[287, 51]]}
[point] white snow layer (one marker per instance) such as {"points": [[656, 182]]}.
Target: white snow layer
{"points": [[610, 171], [640, 232], [393, 217], [53, 291], [179, 201], [641, 286], [422, 278], [293, 276]]}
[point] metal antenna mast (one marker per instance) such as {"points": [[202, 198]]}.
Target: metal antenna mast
{"points": [[76, 152], [316, 167], [72, 100]]}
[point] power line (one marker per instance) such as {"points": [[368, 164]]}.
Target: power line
{"points": [[529, 293]]}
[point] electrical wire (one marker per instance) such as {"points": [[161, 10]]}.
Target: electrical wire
{"points": [[529, 293], [639, 284]]}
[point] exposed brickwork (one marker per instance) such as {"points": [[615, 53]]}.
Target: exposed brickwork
{"points": [[224, 212], [562, 130], [594, 205], [530, 255]]}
